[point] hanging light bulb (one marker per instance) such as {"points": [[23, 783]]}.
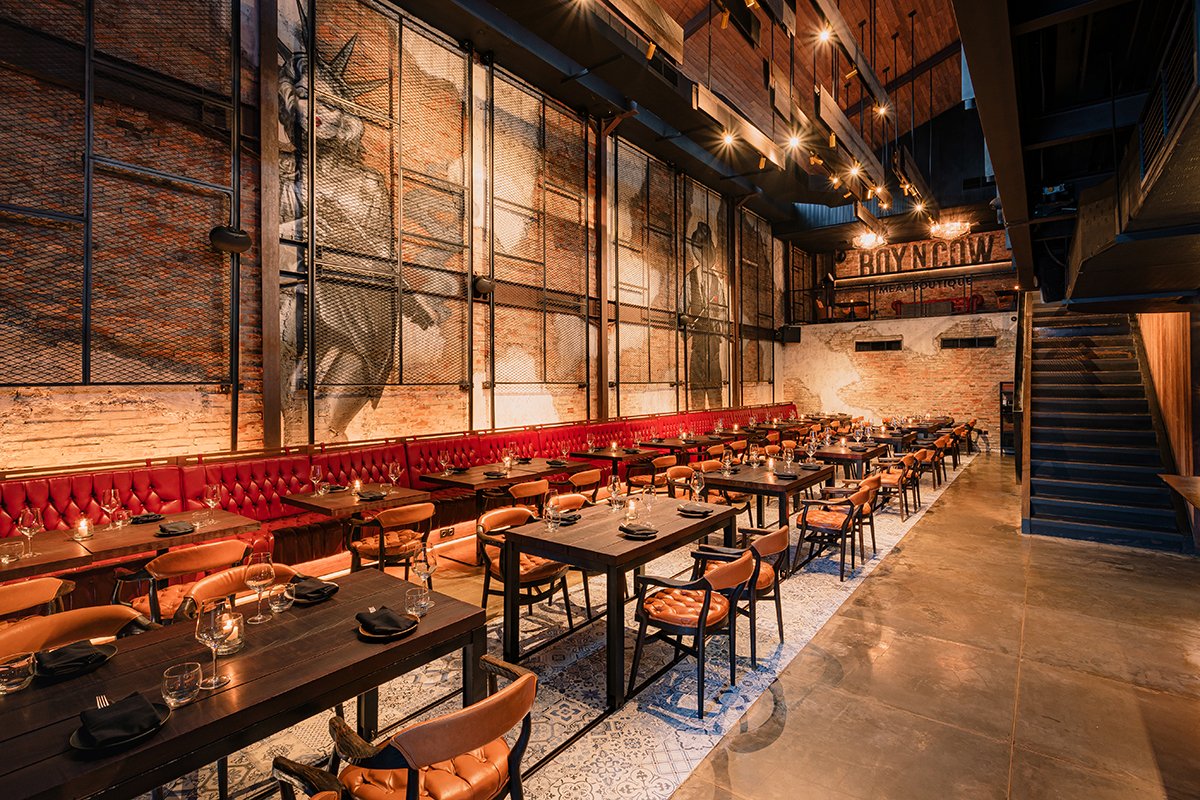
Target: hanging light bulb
{"points": [[793, 141], [954, 229], [869, 240], [919, 207], [881, 110]]}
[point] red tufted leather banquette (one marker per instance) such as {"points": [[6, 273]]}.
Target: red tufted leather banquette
{"points": [[63, 499]]}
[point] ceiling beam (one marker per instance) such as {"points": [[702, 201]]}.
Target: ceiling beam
{"points": [[1085, 122], [951, 50], [984, 29], [1050, 13], [844, 35]]}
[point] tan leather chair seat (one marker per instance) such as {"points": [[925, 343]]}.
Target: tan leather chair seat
{"points": [[766, 574], [829, 520], [169, 600], [644, 480], [477, 775], [395, 543], [532, 568], [682, 607], [890, 479]]}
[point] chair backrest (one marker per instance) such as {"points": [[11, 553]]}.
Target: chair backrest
{"points": [[471, 728], [94, 622], [771, 543], [25, 595], [588, 479], [716, 450], [708, 465], [737, 446], [226, 583], [405, 516], [871, 483], [772, 449], [786, 443], [499, 519], [201, 558], [731, 574], [662, 462], [530, 494], [571, 502]]}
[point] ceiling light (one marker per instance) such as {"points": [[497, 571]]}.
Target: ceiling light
{"points": [[727, 138], [825, 35], [919, 208], [751, 3], [868, 240], [793, 141], [953, 229], [881, 111], [884, 205], [854, 170], [834, 180]]}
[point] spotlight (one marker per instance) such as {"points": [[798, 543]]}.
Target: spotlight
{"points": [[854, 170], [825, 35], [919, 208], [881, 111], [793, 141], [834, 181], [727, 138]]}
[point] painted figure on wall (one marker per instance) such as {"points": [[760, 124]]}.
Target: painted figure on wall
{"points": [[706, 299]]}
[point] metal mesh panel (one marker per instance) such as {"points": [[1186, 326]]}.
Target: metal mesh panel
{"points": [[41, 301], [706, 295], [188, 42], [154, 141], [42, 145], [160, 294], [62, 18], [757, 295], [645, 269], [538, 239]]}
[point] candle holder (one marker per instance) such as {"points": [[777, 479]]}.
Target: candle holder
{"points": [[82, 531], [613, 446], [236, 640], [357, 486]]}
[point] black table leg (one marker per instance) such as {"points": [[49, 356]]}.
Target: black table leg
{"points": [[474, 680], [731, 532], [615, 638], [512, 608], [368, 714], [761, 508], [782, 499]]}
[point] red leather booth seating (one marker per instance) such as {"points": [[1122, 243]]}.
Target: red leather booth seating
{"points": [[491, 444]]}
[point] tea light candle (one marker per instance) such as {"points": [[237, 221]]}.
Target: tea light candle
{"points": [[735, 427], [770, 463], [631, 509], [83, 530], [614, 445], [842, 441], [357, 486], [235, 642]]}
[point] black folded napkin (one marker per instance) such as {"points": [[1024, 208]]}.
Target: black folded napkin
{"points": [[695, 508], [657, 439], [811, 467], [713, 436], [175, 528], [638, 529], [336, 487], [123, 720], [69, 659], [312, 590], [384, 622], [630, 450], [143, 519], [371, 494], [779, 473], [570, 516], [524, 460], [459, 470], [492, 473], [556, 462]]}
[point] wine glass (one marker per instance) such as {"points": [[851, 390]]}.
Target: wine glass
{"points": [[614, 492], [316, 474], [753, 420], [591, 442], [726, 462], [720, 424], [697, 485], [212, 499], [810, 447], [553, 515], [110, 501], [395, 472], [444, 460], [858, 434], [260, 574], [789, 455], [214, 624], [752, 454], [29, 524], [425, 563]]}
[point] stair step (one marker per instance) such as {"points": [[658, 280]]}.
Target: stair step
{"points": [[1047, 329], [1045, 434], [1045, 362], [1090, 489], [1110, 534], [1090, 511], [1071, 470], [1051, 350], [1092, 419], [1121, 376], [1117, 455], [1047, 390], [1134, 405]]}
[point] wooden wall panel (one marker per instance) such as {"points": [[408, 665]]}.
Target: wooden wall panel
{"points": [[1168, 345]]}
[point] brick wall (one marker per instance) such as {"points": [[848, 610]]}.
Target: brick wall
{"points": [[823, 372]]}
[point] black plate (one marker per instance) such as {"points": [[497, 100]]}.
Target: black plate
{"points": [[109, 651], [458, 470], [165, 535], [524, 460], [556, 463], [811, 467], [164, 714], [695, 514], [147, 519], [338, 490]]}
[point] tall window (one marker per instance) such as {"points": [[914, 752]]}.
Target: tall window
{"points": [[756, 291]]}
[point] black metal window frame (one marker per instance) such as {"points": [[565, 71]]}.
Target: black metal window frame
{"points": [[720, 328], [756, 295], [878, 345], [967, 342]]}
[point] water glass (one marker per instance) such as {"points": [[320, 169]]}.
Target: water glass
{"points": [[697, 483], [444, 460], [10, 551], [29, 524], [260, 574], [648, 498], [16, 672], [425, 563], [395, 472], [181, 683], [316, 474], [416, 601], [281, 597], [214, 624], [110, 501]]}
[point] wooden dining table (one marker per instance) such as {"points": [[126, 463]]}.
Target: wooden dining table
{"points": [[856, 462], [302, 662], [349, 508], [616, 457], [686, 448], [596, 545], [763, 483], [476, 479]]}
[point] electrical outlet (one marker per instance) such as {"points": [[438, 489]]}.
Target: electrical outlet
{"points": [[446, 533]]}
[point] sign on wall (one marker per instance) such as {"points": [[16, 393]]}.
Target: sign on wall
{"points": [[972, 250]]}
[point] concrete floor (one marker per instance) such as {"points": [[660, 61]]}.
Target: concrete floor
{"points": [[976, 662]]}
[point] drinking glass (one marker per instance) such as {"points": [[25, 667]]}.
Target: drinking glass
{"points": [[753, 420], [591, 442], [280, 597], [417, 602], [720, 424], [697, 484], [752, 453], [858, 434], [810, 447], [110, 501], [260, 574], [16, 672], [212, 499], [789, 455], [553, 517], [444, 460], [563, 449], [29, 524], [614, 493], [648, 499], [508, 462], [181, 683], [316, 474], [395, 472], [425, 563], [10, 552], [214, 624], [726, 462]]}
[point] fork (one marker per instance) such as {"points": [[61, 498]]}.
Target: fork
{"points": [[101, 701]]}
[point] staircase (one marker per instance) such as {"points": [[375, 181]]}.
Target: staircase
{"points": [[1094, 454]]}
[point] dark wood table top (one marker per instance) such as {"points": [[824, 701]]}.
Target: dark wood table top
{"points": [[344, 504], [133, 539], [930, 426], [306, 660], [615, 456], [595, 541], [55, 552], [475, 478], [838, 453], [1188, 487], [760, 480], [674, 443]]}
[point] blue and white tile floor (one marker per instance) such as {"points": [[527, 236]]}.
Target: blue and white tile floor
{"points": [[646, 749]]}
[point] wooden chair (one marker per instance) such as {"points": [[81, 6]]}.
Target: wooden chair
{"points": [[699, 608], [900, 479], [162, 600], [678, 480], [463, 755], [656, 477], [872, 484], [531, 495], [586, 483], [402, 533], [229, 584], [829, 523], [539, 578]]}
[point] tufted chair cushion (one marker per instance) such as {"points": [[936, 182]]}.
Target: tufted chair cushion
{"points": [[64, 499], [681, 607], [477, 775], [344, 465], [532, 569], [395, 543], [169, 600]]}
